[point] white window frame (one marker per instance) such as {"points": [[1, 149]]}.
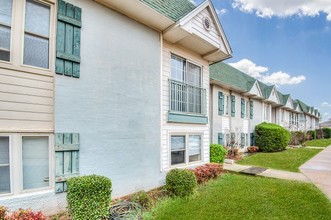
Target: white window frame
{"points": [[186, 162], [16, 163], [17, 40], [10, 164]]}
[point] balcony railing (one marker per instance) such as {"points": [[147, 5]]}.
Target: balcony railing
{"points": [[187, 98]]}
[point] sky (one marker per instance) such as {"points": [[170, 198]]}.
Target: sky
{"points": [[286, 43]]}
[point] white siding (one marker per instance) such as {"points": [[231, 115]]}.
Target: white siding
{"points": [[26, 102], [172, 128]]}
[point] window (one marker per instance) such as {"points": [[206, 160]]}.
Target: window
{"points": [[186, 92], [4, 166], [36, 35], [34, 49], [5, 28], [24, 163], [35, 162], [185, 149]]}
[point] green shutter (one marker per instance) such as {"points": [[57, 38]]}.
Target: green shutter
{"points": [[252, 139], [68, 39], [220, 103], [233, 106], [251, 109], [220, 138], [242, 108], [242, 140], [66, 159]]}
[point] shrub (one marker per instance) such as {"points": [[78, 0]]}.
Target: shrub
{"points": [[270, 137], [89, 197], [252, 149], [297, 138], [319, 133], [3, 212], [207, 172], [311, 135], [181, 182], [143, 199], [25, 214], [326, 132], [217, 153]]}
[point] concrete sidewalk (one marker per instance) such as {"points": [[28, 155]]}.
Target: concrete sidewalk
{"points": [[278, 174], [318, 171]]}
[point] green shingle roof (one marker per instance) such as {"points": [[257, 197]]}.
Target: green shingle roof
{"points": [[303, 106], [173, 9], [231, 76], [283, 98], [265, 89]]}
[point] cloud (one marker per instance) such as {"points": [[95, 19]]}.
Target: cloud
{"points": [[249, 68], [326, 104], [261, 73], [284, 8], [281, 78], [221, 11]]}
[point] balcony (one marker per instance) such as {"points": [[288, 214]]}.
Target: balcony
{"points": [[187, 103]]}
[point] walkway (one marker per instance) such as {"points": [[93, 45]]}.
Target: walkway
{"points": [[318, 171], [258, 171]]}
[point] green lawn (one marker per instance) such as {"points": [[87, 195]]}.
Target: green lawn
{"points": [[318, 143], [289, 160], [246, 197]]}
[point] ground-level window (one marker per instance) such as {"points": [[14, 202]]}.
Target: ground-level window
{"points": [[24, 163], [5, 28], [185, 148], [4, 165]]}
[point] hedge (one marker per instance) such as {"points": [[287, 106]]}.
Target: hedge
{"points": [[297, 137], [217, 153], [89, 197], [270, 137], [326, 132], [181, 182], [311, 135]]}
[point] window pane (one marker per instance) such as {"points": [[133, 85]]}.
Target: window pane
{"points": [[35, 162], [177, 149], [35, 51], [194, 143], [4, 165], [177, 143], [177, 68], [193, 75], [5, 12], [37, 18]]}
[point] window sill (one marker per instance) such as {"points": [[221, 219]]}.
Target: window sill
{"points": [[187, 165], [176, 117], [27, 69], [27, 194]]}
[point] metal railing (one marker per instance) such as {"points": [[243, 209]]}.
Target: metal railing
{"points": [[186, 98]]}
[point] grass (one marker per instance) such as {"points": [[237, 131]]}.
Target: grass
{"points": [[289, 160], [245, 197], [318, 143]]}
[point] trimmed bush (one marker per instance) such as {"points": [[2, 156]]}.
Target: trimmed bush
{"points": [[270, 137], [207, 172], [143, 199], [326, 132], [89, 197], [311, 135], [181, 182], [217, 153], [319, 133], [297, 138]]}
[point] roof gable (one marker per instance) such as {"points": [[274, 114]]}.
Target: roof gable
{"points": [[191, 31], [256, 90], [289, 103], [273, 96]]}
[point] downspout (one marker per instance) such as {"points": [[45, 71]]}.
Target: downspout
{"points": [[230, 121], [161, 95], [211, 112]]}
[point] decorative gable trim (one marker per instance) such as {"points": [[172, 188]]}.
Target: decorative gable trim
{"points": [[255, 88], [289, 103], [274, 96]]}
